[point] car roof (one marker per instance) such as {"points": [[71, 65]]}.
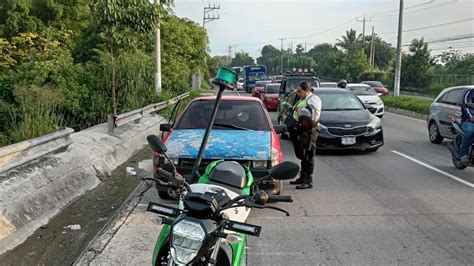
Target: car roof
{"points": [[274, 84], [322, 89], [228, 98], [357, 84], [328, 82]]}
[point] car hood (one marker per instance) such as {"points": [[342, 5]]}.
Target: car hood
{"points": [[345, 119], [222, 144], [368, 98]]}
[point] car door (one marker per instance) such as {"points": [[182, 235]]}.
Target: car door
{"points": [[450, 108]]}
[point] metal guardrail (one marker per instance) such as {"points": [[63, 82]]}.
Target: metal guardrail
{"points": [[115, 121], [26, 151]]}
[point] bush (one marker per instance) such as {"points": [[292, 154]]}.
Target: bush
{"points": [[414, 104]]}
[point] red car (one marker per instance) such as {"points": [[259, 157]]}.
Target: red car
{"points": [[378, 87], [270, 96], [259, 87], [242, 132]]}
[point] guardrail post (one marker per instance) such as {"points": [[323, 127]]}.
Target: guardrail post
{"points": [[110, 124]]}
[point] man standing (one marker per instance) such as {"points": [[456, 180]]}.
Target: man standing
{"points": [[304, 135], [467, 126]]}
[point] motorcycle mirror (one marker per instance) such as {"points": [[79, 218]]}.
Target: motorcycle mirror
{"points": [[156, 144], [284, 171], [280, 129]]}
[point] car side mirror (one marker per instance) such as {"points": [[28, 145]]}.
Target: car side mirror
{"points": [[156, 144], [284, 171], [280, 129], [165, 127]]}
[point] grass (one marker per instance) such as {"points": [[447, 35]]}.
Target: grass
{"points": [[414, 104]]}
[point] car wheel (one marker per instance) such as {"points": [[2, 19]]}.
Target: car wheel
{"points": [[164, 195], [457, 163], [433, 132], [372, 149]]}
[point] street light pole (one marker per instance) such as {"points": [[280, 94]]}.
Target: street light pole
{"points": [[396, 87], [157, 56]]}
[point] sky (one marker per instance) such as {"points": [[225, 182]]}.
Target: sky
{"points": [[248, 25]]}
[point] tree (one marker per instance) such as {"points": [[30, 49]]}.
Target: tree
{"points": [[451, 57], [242, 59], [321, 51], [416, 65], [269, 56], [384, 52], [299, 49], [113, 16], [350, 41]]}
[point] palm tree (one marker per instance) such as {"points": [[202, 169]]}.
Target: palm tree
{"points": [[350, 41]]}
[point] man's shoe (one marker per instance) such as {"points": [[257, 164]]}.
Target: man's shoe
{"points": [[304, 186], [298, 181], [465, 159]]}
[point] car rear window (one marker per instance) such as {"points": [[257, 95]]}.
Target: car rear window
{"points": [[374, 83], [292, 84], [243, 114], [362, 90], [261, 83], [339, 101], [272, 89]]}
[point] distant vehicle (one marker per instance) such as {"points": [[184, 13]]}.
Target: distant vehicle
{"points": [[368, 96], [287, 96], [328, 84], [240, 84], [278, 79], [447, 105], [259, 87], [346, 123], [270, 96], [252, 74], [378, 87]]}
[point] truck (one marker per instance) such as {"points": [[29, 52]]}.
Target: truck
{"points": [[252, 74]]}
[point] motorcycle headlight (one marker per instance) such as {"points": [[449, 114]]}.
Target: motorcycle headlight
{"points": [[187, 239], [260, 164]]}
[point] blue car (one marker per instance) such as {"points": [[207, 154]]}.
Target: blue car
{"points": [[242, 132]]}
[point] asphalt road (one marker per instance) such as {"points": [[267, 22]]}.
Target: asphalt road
{"points": [[404, 204], [374, 208]]}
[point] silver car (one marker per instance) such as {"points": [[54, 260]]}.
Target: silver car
{"points": [[446, 106]]}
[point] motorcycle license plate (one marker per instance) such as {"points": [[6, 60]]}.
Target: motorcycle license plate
{"points": [[348, 140]]}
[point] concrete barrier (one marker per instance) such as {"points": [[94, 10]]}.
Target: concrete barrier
{"points": [[20, 153], [34, 192]]}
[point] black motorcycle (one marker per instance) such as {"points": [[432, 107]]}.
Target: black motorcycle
{"points": [[454, 145]]}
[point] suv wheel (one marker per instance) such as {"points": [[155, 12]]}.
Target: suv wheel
{"points": [[433, 132]]}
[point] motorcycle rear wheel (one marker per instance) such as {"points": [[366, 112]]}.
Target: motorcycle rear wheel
{"points": [[457, 163]]}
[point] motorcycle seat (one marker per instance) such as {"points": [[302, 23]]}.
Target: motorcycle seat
{"points": [[229, 173]]}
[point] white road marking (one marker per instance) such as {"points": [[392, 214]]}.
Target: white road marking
{"points": [[435, 169], [407, 117]]}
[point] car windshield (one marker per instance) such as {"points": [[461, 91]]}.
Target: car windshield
{"points": [[278, 78], [374, 83], [339, 101], [232, 115], [272, 89], [362, 90], [256, 76], [292, 84]]}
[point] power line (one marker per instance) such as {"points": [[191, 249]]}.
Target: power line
{"points": [[450, 39], [417, 10], [432, 26], [396, 10]]}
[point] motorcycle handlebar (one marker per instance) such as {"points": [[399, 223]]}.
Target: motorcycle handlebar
{"points": [[279, 198]]}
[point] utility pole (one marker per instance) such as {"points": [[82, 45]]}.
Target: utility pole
{"points": [[305, 46], [157, 56], [396, 86], [363, 28], [281, 56], [372, 49], [207, 17]]}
